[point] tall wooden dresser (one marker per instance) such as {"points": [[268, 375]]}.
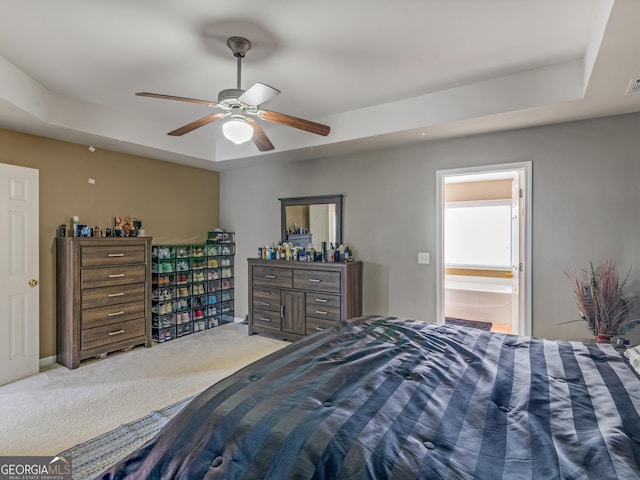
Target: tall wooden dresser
{"points": [[103, 296], [290, 300]]}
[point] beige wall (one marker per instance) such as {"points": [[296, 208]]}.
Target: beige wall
{"points": [[175, 203], [586, 193], [486, 190], [298, 214]]}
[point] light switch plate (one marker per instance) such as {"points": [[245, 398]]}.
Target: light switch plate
{"points": [[423, 257]]}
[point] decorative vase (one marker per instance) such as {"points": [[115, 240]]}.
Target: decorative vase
{"points": [[603, 338]]}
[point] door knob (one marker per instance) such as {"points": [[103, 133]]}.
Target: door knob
{"points": [[33, 282]]}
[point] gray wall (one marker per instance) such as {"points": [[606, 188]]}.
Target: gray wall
{"points": [[586, 207]]}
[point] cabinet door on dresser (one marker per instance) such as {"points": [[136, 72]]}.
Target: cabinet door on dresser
{"points": [[103, 296], [293, 306]]}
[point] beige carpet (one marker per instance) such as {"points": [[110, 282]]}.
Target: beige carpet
{"points": [[59, 408]]}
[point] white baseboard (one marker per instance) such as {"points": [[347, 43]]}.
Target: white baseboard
{"points": [[47, 361]]}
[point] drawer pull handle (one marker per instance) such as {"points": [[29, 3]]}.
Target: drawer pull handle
{"points": [[271, 277], [265, 293], [319, 329], [322, 300], [119, 275], [115, 254], [321, 312], [265, 319], [265, 304], [111, 295], [115, 314], [117, 332], [314, 280]]}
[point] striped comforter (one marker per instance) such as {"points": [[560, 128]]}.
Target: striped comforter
{"points": [[392, 398]]}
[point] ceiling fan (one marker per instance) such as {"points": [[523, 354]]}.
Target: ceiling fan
{"points": [[239, 106]]}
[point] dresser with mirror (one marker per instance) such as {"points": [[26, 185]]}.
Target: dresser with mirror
{"points": [[292, 299]]}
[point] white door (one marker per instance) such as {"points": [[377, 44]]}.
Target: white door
{"points": [[19, 297], [515, 253]]}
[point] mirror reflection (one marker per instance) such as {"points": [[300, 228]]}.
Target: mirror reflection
{"points": [[312, 220], [311, 224]]}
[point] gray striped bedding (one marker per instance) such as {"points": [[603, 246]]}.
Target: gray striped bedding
{"points": [[382, 397]]}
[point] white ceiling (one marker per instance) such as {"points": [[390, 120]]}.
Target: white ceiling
{"points": [[379, 72]]}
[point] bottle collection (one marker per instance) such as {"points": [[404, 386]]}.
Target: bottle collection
{"points": [[129, 228], [328, 252]]}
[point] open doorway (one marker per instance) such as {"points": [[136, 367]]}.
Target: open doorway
{"points": [[483, 251]]}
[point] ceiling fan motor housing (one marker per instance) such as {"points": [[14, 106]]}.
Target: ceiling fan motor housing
{"points": [[229, 96]]}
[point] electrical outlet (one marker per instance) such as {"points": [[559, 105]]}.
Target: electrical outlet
{"points": [[423, 257]]}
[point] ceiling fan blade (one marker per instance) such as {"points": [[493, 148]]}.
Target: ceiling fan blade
{"points": [[295, 122], [196, 124], [258, 93], [181, 99], [259, 137]]}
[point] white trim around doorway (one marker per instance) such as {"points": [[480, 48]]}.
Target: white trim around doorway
{"points": [[526, 167]]}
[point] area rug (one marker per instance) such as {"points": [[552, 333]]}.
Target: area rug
{"points": [[486, 326], [89, 459]]}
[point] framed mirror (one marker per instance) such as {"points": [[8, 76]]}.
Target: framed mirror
{"points": [[314, 220]]}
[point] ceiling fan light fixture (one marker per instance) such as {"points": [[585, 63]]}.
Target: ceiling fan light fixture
{"points": [[237, 130]]}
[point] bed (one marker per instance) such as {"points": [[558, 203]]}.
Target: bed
{"points": [[382, 397]]}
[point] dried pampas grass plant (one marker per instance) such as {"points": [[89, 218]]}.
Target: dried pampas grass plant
{"points": [[600, 298]]}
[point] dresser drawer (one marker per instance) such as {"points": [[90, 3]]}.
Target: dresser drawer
{"points": [[318, 325], [316, 280], [267, 298], [276, 277], [323, 306], [109, 276], [99, 297], [97, 256], [115, 332], [94, 317], [266, 319]]}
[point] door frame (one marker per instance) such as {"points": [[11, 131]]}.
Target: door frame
{"points": [[525, 320]]}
